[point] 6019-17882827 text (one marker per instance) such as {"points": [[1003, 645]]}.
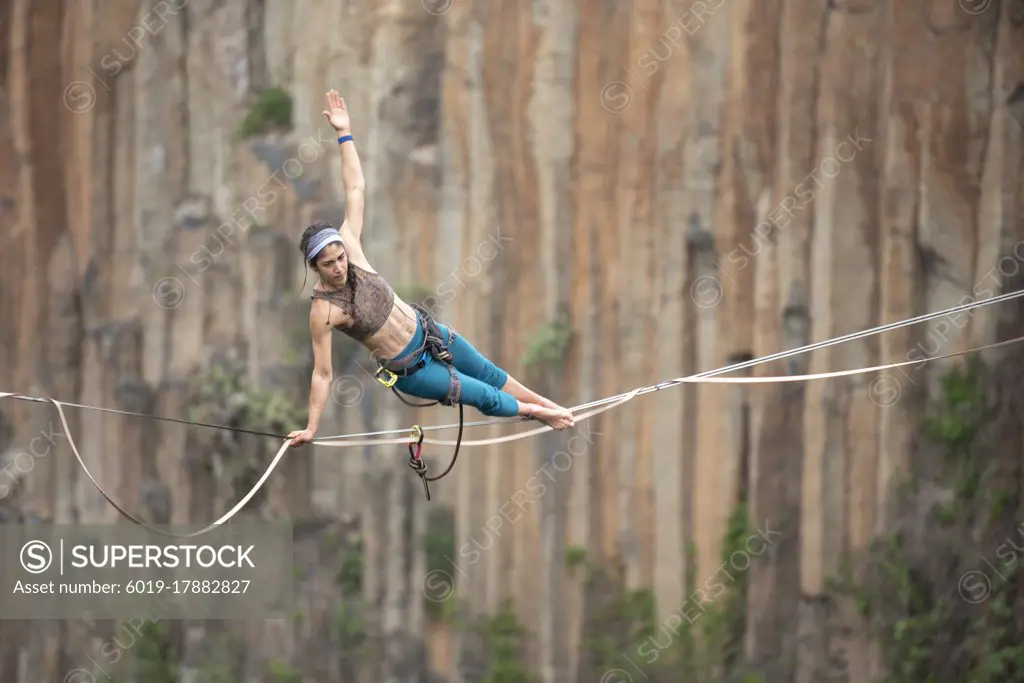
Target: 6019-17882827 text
{"points": [[178, 586]]}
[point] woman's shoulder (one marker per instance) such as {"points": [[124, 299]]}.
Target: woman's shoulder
{"points": [[318, 304], [327, 308]]}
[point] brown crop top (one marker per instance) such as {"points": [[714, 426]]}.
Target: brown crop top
{"points": [[366, 299]]}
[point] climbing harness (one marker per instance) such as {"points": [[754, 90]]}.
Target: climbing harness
{"points": [[416, 439], [436, 344], [711, 376]]}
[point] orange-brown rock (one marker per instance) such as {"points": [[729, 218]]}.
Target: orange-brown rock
{"points": [[687, 183]]}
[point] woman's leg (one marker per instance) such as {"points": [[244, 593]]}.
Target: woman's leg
{"points": [[468, 360], [433, 380]]}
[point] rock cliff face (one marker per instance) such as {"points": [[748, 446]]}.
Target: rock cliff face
{"points": [[600, 196]]}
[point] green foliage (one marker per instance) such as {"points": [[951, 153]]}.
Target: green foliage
{"points": [[549, 344], [724, 618], [901, 612], [700, 641], [439, 546], [156, 659], [575, 556], [222, 395], [272, 109], [623, 621], [347, 625], [964, 411], [939, 611], [504, 638], [350, 576], [219, 660], [282, 672]]}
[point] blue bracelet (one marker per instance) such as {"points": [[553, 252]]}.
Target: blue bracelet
{"points": [[343, 138]]}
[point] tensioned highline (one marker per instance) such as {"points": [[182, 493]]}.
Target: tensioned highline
{"points": [[728, 368], [594, 408], [707, 375]]}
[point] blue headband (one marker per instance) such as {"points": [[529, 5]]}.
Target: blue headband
{"points": [[321, 240]]}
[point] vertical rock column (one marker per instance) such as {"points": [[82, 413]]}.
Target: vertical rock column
{"points": [[551, 111], [708, 42], [672, 411], [783, 271]]}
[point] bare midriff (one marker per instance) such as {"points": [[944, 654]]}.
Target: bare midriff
{"points": [[391, 339]]}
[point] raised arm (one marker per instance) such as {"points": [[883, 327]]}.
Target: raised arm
{"points": [[351, 169]]}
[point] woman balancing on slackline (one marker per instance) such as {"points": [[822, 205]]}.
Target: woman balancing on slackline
{"points": [[416, 355]]}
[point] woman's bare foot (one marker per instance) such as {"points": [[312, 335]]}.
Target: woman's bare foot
{"points": [[526, 395], [556, 419]]}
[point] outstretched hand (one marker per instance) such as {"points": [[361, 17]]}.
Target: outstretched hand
{"points": [[337, 112], [300, 437]]}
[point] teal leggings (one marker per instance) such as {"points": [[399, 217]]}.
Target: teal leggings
{"points": [[481, 379]]}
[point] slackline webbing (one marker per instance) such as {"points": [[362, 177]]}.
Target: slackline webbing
{"points": [[593, 408], [704, 377]]}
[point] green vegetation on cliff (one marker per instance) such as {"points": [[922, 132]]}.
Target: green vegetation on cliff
{"points": [[939, 591], [272, 110], [549, 343]]}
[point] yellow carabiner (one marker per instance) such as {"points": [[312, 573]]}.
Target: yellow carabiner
{"points": [[416, 433], [390, 382]]}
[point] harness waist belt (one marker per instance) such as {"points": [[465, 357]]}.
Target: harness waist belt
{"points": [[437, 344]]}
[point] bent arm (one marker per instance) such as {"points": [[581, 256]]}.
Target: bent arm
{"points": [[320, 382]]}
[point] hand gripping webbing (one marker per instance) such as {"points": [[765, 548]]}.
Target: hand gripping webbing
{"points": [[588, 409]]}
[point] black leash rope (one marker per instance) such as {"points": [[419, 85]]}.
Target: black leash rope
{"points": [[436, 345], [153, 417], [416, 461]]}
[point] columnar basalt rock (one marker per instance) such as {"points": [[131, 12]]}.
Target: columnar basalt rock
{"points": [[683, 182]]}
